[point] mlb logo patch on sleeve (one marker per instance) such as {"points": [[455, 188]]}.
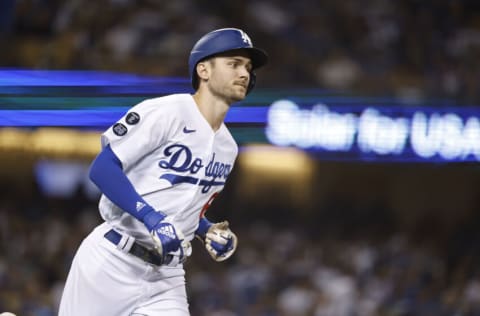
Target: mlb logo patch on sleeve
{"points": [[132, 118], [119, 129]]}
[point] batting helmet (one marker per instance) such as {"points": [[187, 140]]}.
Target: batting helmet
{"points": [[221, 41]]}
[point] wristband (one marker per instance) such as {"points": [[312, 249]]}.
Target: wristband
{"points": [[203, 226], [152, 218]]}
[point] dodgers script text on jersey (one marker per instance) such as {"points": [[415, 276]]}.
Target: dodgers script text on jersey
{"points": [[181, 160]]}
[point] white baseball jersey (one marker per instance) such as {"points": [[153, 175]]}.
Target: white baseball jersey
{"points": [[173, 158]]}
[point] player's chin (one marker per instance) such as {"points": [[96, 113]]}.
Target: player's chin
{"points": [[237, 98], [239, 93]]}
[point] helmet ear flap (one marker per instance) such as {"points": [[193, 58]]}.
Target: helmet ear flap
{"points": [[252, 82], [195, 81]]}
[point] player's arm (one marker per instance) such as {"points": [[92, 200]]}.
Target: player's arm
{"points": [[107, 173], [219, 240]]}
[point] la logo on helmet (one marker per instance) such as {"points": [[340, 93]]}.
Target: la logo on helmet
{"points": [[245, 38]]}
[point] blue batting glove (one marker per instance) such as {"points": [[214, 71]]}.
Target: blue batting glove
{"points": [[163, 232]]}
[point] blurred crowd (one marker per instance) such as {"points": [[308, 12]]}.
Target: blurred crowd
{"points": [[318, 268], [411, 49]]}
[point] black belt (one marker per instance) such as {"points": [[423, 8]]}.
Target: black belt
{"points": [[138, 250]]}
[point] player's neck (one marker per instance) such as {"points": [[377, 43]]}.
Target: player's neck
{"points": [[213, 109]]}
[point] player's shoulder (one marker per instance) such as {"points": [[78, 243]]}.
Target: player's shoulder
{"points": [[169, 106], [172, 102]]}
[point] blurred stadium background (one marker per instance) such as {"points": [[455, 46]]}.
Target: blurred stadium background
{"points": [[334, 219]]}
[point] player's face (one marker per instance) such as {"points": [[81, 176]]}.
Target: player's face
{"points": [[230, 75]]}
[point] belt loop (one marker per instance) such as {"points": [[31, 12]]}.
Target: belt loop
{"points": [[126, 243]]}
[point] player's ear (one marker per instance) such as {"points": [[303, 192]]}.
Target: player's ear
{"points": [[203, 70]]}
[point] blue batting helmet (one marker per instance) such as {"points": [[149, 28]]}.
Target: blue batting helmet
{"points": [[221, 41]]}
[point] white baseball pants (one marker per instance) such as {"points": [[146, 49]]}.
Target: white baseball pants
{"points": [[104, 281]]}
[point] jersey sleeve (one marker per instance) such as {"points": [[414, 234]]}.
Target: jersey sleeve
{"points": [[141, 130]]}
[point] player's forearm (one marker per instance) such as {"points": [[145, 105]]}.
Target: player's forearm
{"points": [[107, 173]]}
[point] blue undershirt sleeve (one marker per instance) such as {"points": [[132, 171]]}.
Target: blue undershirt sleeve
{"points": [[107, 173]]}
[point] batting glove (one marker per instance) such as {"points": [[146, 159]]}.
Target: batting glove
{"points": [[165, 236], [220, 241], [181, 254]]}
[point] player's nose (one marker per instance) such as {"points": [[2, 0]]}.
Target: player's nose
{"points": [[244, 72]]}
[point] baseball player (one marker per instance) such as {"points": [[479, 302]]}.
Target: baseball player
{"points": [[160, 167]]}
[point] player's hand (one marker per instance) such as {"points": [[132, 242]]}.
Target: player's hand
{"points": [[165, 238], [220, 241], [181, 254]]}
